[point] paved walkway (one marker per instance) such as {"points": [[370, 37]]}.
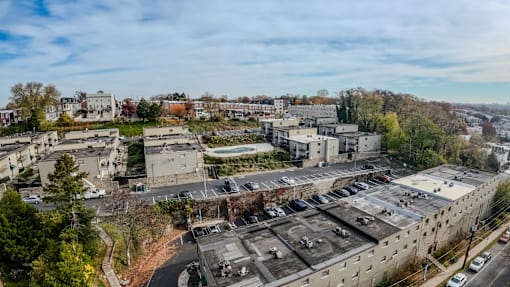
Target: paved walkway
{"points": [[475, 250], [107, 260]]}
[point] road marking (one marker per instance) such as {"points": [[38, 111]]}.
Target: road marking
{"points": [[313, 200], [308, 204], [247, 189], [214, 192], [267, 186], [204, 193], [492, 260], [277, 185], [331, 197]]}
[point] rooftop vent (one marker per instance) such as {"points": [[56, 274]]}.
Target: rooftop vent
{"points": [[451, 184]]}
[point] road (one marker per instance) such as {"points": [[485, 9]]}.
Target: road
{"points": [[266, 180], [496, 272]]}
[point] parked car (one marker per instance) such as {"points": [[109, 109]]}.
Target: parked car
{"points": [[214, 229], [320, 198], [252, 185], [90, 194], [458, 280], [361, 185], [343, 192], [185, 194], [476, 264], [351, 189], [369, 166], [279, 211], [298, 205], [33, 199], [287, 180], [504, 238], [384, 178], [270, 212], [251, 219], [486, 256], [200, 231], [232, 226], [231, 185]]}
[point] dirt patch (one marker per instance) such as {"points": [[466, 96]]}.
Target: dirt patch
{"points": [[155, 255]]}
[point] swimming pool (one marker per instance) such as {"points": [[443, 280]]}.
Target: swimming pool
{"points": [[234, 150]]}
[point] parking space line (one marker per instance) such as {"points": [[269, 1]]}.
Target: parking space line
{"points": [[312, 200], [288, 206], [267, 186], [247, 189], [330, 197], [277, 185], [308, 204], [204, 193], [214, 192]]}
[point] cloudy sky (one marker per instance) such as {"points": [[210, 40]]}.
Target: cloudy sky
{"points": [[438, 50]]}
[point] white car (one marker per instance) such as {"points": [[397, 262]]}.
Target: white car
{"points": [[458, 280], [89, 194], [287, 180], [33, 199], [279, 211], [476, 264], [361, 185], [270, 212]]}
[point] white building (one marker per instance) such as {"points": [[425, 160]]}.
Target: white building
{"points": [[101, 107]]}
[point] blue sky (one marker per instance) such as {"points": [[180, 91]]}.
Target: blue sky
{"points": [[438, 50]]}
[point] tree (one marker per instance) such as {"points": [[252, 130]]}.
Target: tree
{"points": [[488, 129], [155, 111], [65, 120], [68, 265], [128, 108], [492, 162], [178, 110], [21, 236], [80, 96], [32, 100], [143, 109]]}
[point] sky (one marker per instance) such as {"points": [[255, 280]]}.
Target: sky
{"points": [[456, 51]]}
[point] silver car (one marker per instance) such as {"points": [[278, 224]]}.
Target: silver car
{"points": [[33, 199]]}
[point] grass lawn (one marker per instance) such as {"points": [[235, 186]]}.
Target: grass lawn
{"points": [[136, 158], [197, 126]]}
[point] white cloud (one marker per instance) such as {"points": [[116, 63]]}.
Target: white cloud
{"points": [[249, 48]]}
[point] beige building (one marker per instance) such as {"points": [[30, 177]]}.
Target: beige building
{"points": [[101, 107], [358, 241], [359, 142], [14, 158], [314, 148], [86, 134], [268, 125], [43, 142], [281, 135], [97, 162], [88, 143], [333, 129], [165, 131], [313, 111]]}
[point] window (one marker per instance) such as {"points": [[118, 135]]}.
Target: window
{"points": [[397, 238], [414, 242], [450, 208], [371, 253], [355, 275], [342, 282], [405, 247], [318, 152], [426, 220], [369, 268], [433, 229], [408, 232], [325, 274], [395, 253], [442, 212], [447, 221], [183, 165], [357, 259], [383, 258], [424, 234], [435, 216], [385, 243], [343, 266], [417, 228], [305, 282]]}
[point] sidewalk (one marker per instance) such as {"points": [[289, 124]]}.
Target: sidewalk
{"points": [[475, 250]]}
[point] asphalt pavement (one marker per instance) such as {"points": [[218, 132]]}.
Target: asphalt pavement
{"points": [[494, 273]]}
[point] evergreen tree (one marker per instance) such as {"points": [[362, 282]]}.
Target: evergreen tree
{"points": [[142, 110], [21, 238]]}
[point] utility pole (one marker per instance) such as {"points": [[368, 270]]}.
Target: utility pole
{"points": [[473, 231]]}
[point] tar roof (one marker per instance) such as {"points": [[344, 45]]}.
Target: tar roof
{"points": [[409, 200], [250, 247], [461, 174], [385, 212], [172, 148], [310, 138], [86, 140], [80, 153]]}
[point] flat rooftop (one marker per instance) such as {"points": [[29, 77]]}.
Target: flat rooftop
{"points": [[407, 200], [288, 128], [7, 149], [384, 212], [310, 138], [172, 148], [461, 174], [356, 134], [250, 247], [80, 153], [337, 125], [87, 140], [441, 187]]}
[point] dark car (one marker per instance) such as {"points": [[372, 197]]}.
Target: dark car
{"points": [[320, 198], [252, 185], [343, 192], [369, 166], [351, 189], [185, 194], [251, 219], [298, 205]]}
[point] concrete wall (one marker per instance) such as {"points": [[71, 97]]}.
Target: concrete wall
{"points": [[163, 131], [173, 163], [167, 180], [167, 141], [22, 157], [92, 133]]}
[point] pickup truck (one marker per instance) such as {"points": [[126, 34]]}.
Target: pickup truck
{"points": [[89, 194]]}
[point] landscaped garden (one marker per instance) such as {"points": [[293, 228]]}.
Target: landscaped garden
{"points": [[232, 140], [275, 159]]}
